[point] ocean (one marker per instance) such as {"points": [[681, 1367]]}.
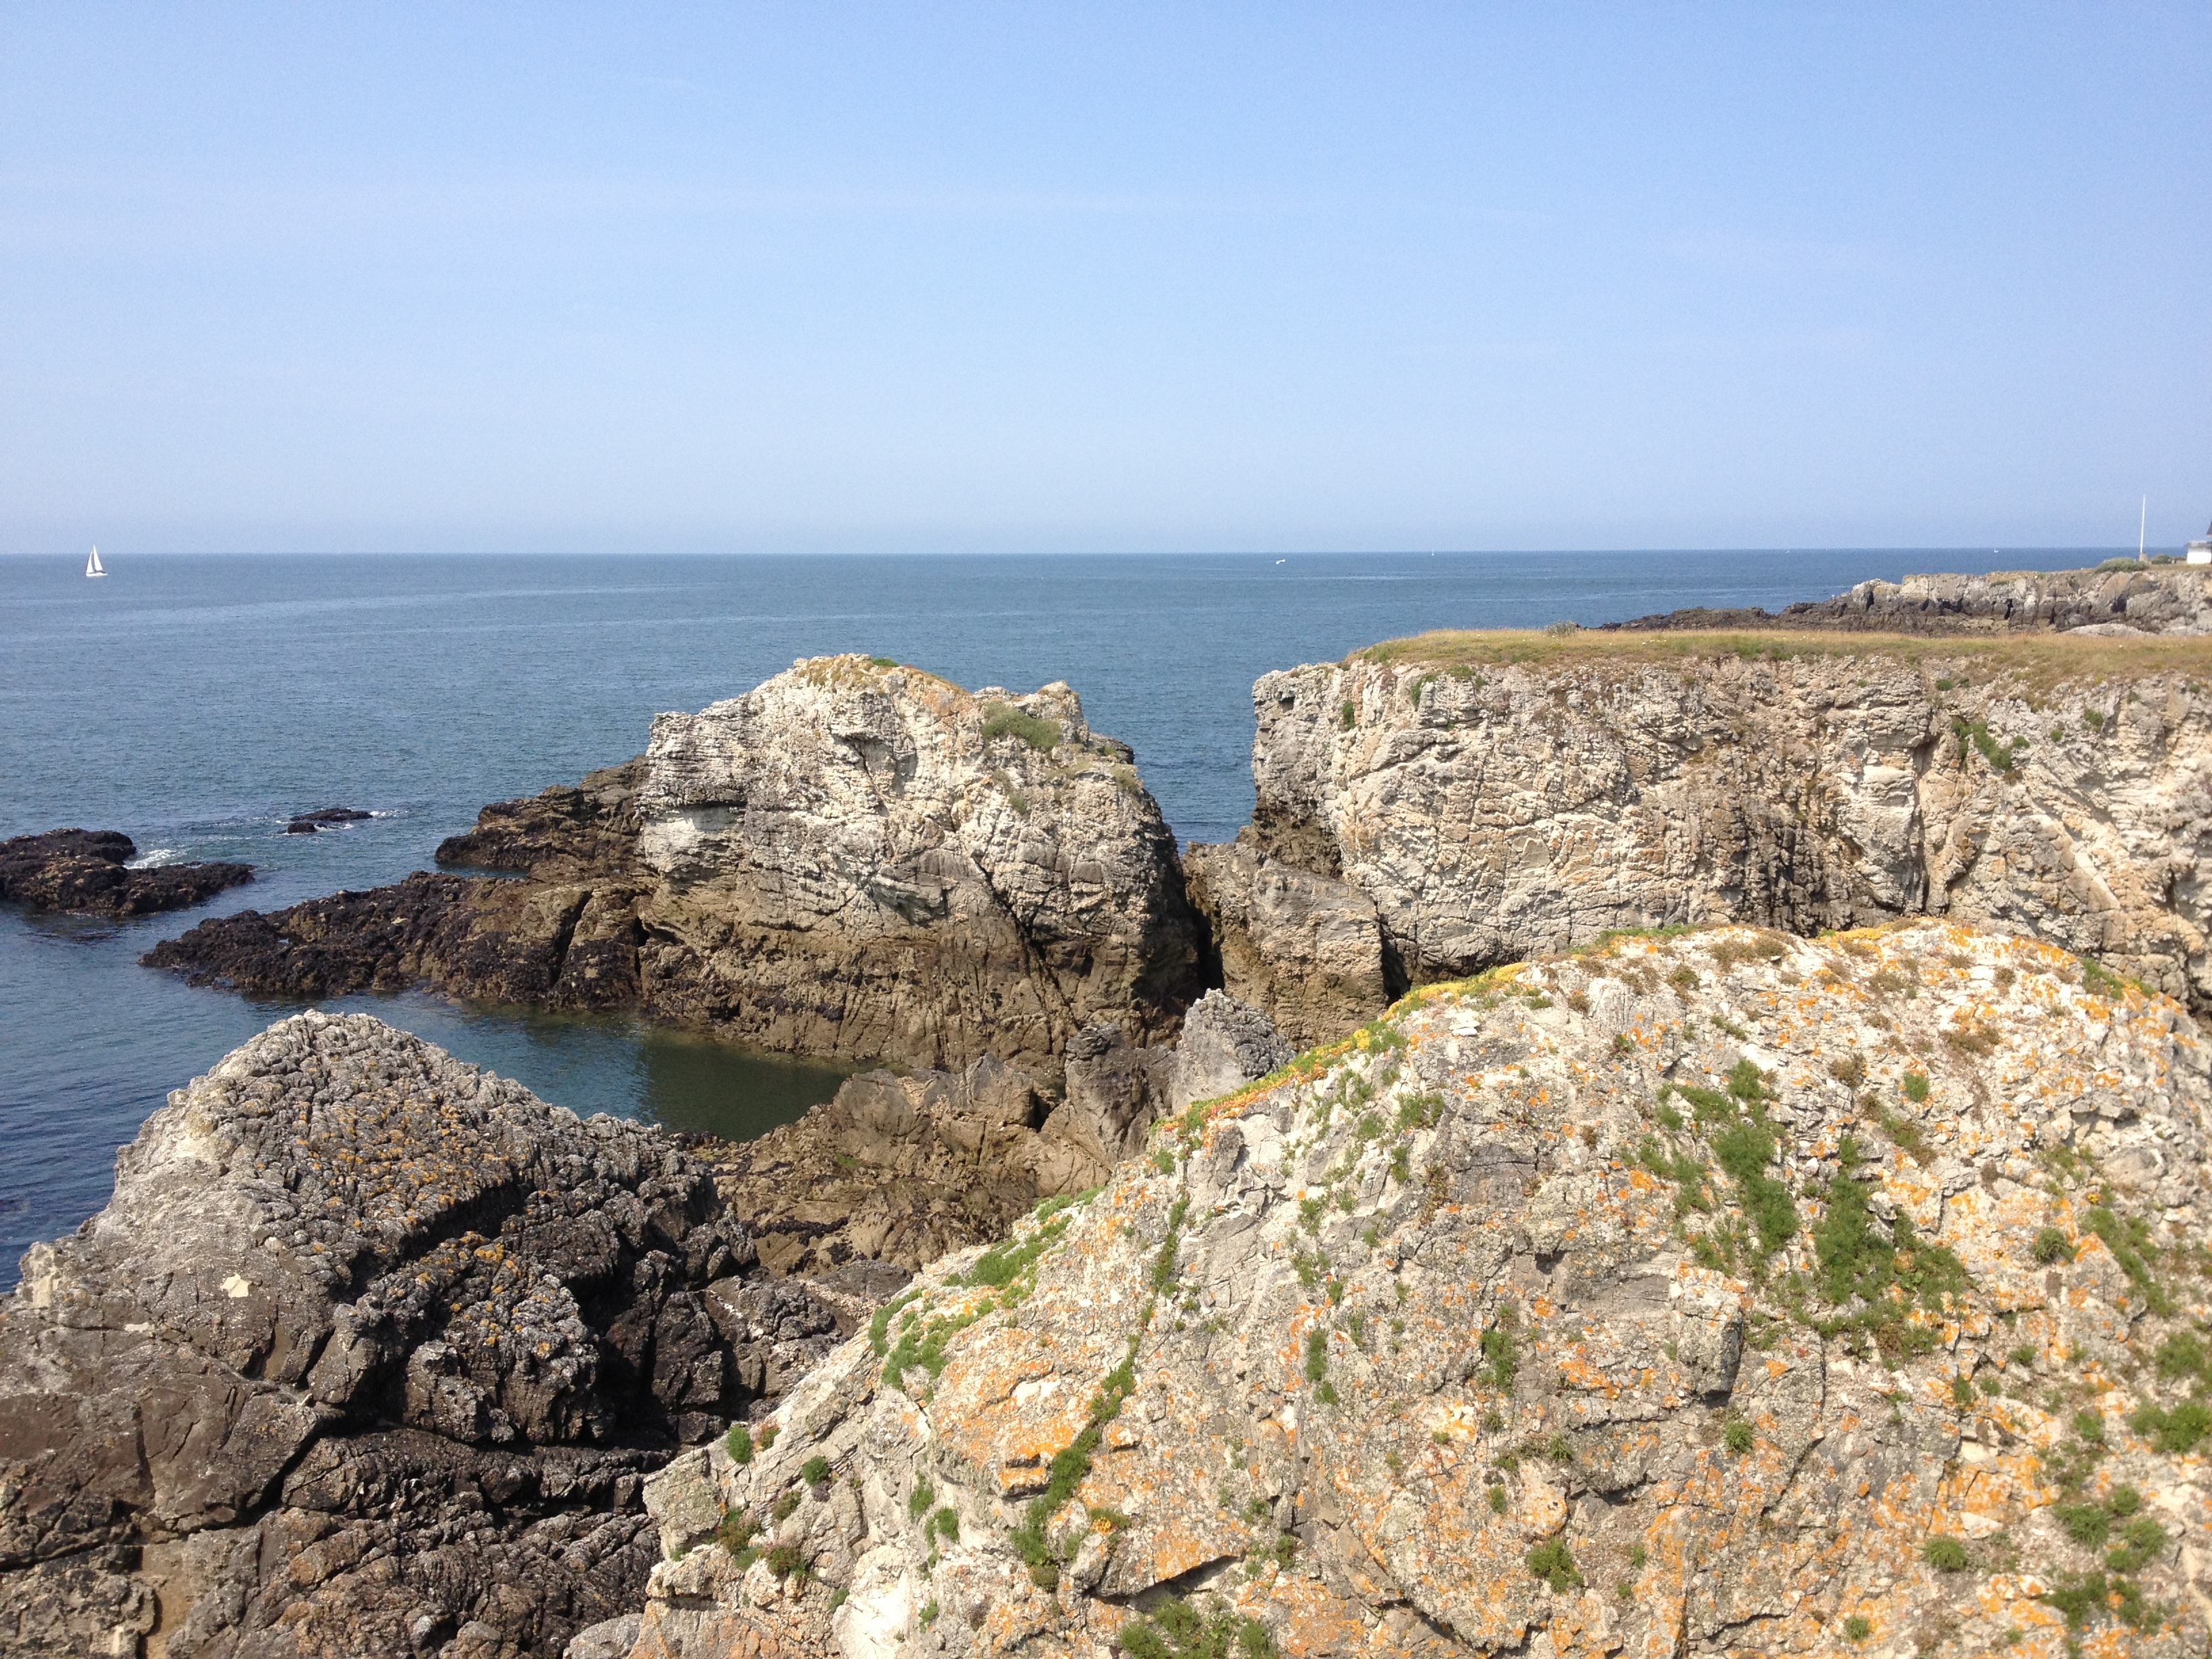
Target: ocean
{"points": [[197, 703]]}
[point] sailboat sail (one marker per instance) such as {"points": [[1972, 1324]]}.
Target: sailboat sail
{"points": [[93, 565]]}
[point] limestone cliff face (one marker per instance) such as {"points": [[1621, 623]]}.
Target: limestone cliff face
{"points": [[855, 861], [369, 1355], [1496, 797], [1726, 1293], [869, 861]]}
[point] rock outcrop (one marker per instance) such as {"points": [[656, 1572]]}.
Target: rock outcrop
{"points": [[1727, 1293], [1303, 945], [1496, 797], [855, 861], [369, 1355], [2125, 597], [901, 1168], [88, 871]]}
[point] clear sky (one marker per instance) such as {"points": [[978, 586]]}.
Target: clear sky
{"points": [[1099, 278]]}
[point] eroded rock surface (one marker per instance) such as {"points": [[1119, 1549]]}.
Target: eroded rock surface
{"points": [[369, 1354], [1498, 797], [2154, 599], [88, 871], [901, 1168], [855, 861], [1726, 1293]]}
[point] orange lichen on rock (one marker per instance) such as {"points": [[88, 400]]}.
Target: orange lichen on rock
{"points": [[1787, 1325]]}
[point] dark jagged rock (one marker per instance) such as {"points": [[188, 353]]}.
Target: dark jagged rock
{"points": [[333, 815], [2136, 598], [87, 871], [567, 832], [502, 941], [369, 1355]]}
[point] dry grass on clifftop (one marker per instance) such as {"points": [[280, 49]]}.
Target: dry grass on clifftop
{"points": [[2043, 657]]}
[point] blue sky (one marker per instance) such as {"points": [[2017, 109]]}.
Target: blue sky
{"points": [[1106, 277]]}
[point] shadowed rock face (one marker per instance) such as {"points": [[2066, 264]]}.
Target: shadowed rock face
{"points": [[1696, 1295], [84, 870], [1489, 812], [369, 1348], [2161, 599], [900, 1169], [854, 861]]}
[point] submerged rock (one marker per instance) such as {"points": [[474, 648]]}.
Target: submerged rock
{"points": [[855, 861], [1728, 1293], [87, 870], [1495, 797], [371, 1350]]}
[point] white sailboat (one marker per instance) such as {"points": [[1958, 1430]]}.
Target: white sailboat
{"points": [[93, 565]]}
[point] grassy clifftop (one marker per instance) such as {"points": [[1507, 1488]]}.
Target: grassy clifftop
{"points": [[2043, 656]]}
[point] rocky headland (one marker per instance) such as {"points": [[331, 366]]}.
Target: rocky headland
{"points": [[2123, 596], [1726, 1292], [1831, 1283], [856, 861], [1433, 806], [89, 871], [370, 1354]]}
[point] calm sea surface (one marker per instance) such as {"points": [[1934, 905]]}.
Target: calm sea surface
{"points": [[195, 702]]}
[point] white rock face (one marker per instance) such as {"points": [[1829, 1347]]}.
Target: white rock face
{"points": [[1696, 1295], [854, 861], [1494, 811], [863, 859]]}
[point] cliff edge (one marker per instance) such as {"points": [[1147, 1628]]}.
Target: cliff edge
{"points": [[1725, 1292], [1432, 806]]}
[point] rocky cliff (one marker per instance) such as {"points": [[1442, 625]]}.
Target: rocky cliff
{"points": [[1488, 797], [855, 861], [90, 870], [1724, 1293], [369, 1355], [2123, 597]]}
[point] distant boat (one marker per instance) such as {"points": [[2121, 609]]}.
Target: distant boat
{"points": [[93, 565]]}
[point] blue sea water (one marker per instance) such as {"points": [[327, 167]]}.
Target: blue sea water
{"points": [[197, 703]]}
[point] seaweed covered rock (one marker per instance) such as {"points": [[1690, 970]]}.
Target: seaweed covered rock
{"points": [[90, 870], [370, 1353], [1724, 1293]]}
